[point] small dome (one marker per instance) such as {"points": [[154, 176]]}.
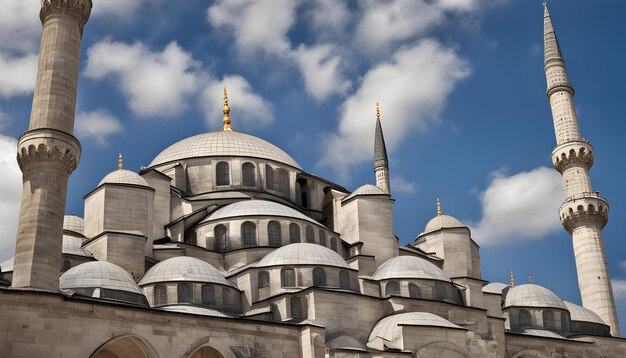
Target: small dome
{"points": [[388, 328], [184, 268], [346, 342], [256, 208], [443, 222], [302, 254], [7, 265], [99, 275], [530, 295], [367, 189], [74, 223], [223, 144], [72, 245], [202, 311], [578, 313], [409, 267], [123, 176], [495, 287]]}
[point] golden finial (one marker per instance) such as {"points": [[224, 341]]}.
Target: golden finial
{"points": [[530, 279], [439, 213], [119, 162], [545, 3], [226, 111], [377, 110], [512, 280]]}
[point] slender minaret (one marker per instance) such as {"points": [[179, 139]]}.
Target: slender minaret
{"points": [[47, 153], [584, 212], [381, 164]]}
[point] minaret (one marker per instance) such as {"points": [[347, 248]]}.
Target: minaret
{"points": [[381, 164], [47, 152], [584, 213]]}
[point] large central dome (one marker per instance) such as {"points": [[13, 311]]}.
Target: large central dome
{"points": [[223, 144]]}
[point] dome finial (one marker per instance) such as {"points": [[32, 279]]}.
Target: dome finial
{"points": [[439, 213], [378, 110], [512, 280], [530, 278], [120, 164], [226, 127]]}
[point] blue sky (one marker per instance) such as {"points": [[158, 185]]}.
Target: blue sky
{"points": [[460, 82]]}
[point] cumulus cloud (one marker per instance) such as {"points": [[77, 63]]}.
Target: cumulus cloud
{"points": [[321, 71], [19, 26], [97, 125], [329, 18], [412, 88], [18, 75], [157, 84], [248, 108], [401, 185], [520, 207], [123, 9], [11, 194]]}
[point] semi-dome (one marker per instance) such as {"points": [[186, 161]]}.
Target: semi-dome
{"points": [[223, 144], [74, 223], [303, 254], [443, 222], [72, 245], [389, 328], [184, 268], [123, 176], [530, 295], [400, 267], [367, 189], [495, 287], [256, 208], [578, 313]]}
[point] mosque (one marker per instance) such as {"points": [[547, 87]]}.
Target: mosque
{"points": [[224, 246]]}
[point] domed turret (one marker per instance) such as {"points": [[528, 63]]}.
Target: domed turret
{"points": [[403, 267], [531, 295]]}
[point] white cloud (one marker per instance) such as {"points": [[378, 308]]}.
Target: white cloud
{"points": [[401, 185], [619, 289], [97, 125], [19, 25], [11, 194], [519, 207], [247, 107], [412, 88], [329, 18], [18, 75], [320, 68], [157, 83], [124, 9]]}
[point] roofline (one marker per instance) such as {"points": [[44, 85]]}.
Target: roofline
{"points": [[118, 184], [111, 232], [155, 166]]}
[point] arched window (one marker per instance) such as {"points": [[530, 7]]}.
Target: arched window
{"points": [[263, 279], [414, 291], [392, 288], [440, 291], [548, 319], [222, 173], [66, 264], [160, 295], [221, 238], [208, 295], [191, 238], [248, 234], [283, 179], [296, 308], [344, 279], [310, 234], [229, 298], [269, 177], [288, 277], [333, 243], [564, 322], [185, 294], [273, 234], [319, 277], [294, 233], [322, 236], [524, 317], [249, 177]]}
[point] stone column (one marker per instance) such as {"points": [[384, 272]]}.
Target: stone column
{"points": [[48, 153]]}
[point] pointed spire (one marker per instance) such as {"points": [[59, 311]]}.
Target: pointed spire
{"points": [[120, 164], [439, 213], [511, 280], [380, 150], [226, 127], [552, 50]]}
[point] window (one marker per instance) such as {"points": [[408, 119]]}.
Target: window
{"points": [[249, 177], [548, 319], [288, 277], [221, 238], [263, 279], [524, 317], [160, 295], [440, 291], [229, 299], [392, 288], [319, 277], [344, 279], [269, 177], [185, 294], [208, 295], [191, 238], [564, 322], [322, 238], [333, 244], [414, 291], [310, 234], [296, 308], [66, 264], [294, 233], [248, 234], [273, 233], [283, 181], [222, 173]]}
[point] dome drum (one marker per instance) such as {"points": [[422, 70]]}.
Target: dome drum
{"points": [[207, 295], [422, 289]]}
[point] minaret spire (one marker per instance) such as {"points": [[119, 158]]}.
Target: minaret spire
{"points": [[381, 163], [584, 213], [439, 213], [120, 164], [226, 110]]}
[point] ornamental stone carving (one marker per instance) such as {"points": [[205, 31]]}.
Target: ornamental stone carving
{"points": [[47, 144], [80, 9], [572, 153]]}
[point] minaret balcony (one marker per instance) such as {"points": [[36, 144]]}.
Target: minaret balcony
{"points": [[584, 208], [561, 86], [572, 153]]}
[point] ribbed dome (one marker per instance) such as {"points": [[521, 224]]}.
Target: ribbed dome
{"points": [[123, 176], [367, 189], [530, 295], [72, 246], [389, 330], [442, 222], [302, 254], [98, 274], [578, 313], [74, 223], [223, 144], [409, 267], [184, 268], [256, 208]]}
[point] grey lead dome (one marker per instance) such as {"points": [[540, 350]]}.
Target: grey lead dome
{"points": [[530, 295], [99, 274], [409, 267], [256, 208], [123, 176], [186, 269], [303, 254]]}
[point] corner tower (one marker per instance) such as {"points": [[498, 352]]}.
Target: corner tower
{"points": [[584, 213], [47, 152], [381, 164]]}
